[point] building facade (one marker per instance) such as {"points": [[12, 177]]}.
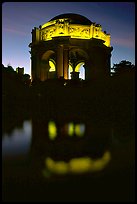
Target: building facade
{"points": [[61, 46]]}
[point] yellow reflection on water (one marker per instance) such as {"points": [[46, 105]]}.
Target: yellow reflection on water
{"points": [[77, 165], [59, 167], [52, 130], [80, 165], [70, 129], [77, 129]]}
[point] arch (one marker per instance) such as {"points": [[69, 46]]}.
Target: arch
{"points": [[52, 65], [46, 55], [70, 69], [82, 73], [46, 64], [80, 68], [78, 53], [52, 69], [77, 68]]}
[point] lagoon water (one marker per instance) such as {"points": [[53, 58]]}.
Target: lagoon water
{"points": [[67, 160]]}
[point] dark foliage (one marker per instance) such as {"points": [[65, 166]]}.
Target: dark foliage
{"points": [[111, 100], [123, 68]]}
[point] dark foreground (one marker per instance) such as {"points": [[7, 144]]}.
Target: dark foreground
{"points": [[23, 182], [108, 118]]}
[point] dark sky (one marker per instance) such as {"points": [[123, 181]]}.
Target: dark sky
{"points": [[19, 18]]}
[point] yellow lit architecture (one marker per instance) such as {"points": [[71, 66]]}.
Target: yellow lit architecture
{"points": [[62, 45]]}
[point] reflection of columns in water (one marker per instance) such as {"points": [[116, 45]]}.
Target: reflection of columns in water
{"points": [[60, 61], [65, 63]]}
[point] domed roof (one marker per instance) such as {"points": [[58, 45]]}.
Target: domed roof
{"points": [[74, 18]]}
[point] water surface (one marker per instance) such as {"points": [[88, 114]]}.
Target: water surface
{"points": [[73, 160]]}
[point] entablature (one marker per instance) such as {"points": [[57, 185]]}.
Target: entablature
{"points": [[62, 27]]}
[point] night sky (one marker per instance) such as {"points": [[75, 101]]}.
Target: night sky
{"points": [[19, 18]]}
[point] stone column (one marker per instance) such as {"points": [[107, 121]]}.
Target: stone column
{"points": [[85, 67], [60, 61], [65, 62], [38, 67], [44, 70], [34, 66], [33, 69]]}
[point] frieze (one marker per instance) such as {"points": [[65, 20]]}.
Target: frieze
{"points": [[63, 28]]}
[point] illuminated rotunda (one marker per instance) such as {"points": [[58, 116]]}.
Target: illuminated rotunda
{"points": [[70, 46]]}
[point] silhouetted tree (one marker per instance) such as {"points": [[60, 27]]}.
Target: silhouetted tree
{"points": [[123, 67], [26, 79], [10, 68], [123, 93]]}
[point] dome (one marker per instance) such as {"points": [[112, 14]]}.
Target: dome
{"points": [[74, 18]]}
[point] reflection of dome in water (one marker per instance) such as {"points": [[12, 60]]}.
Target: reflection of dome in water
{"points": [[74, 18], [76, 165]]}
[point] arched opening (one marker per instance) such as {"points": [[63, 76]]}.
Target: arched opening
{"points": [[78, 57], [70, 69], [80, 68], [47, 54], [52, 69], [82, 72], [48, 67]]}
